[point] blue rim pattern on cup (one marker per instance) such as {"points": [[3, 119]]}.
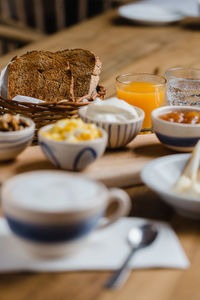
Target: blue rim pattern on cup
{"points": [[52, 233]]}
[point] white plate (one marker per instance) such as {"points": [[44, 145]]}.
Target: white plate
{"points": [[149, 14], [161, 174]]}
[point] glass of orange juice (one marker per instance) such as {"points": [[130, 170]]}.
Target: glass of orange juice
{"points": [[145, 91]]}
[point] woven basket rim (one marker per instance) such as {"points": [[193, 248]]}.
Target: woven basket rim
{"points": [[100, 92], [45, 113]]}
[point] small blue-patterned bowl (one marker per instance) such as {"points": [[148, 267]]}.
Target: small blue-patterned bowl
{"points": [[176, 136], [12, 143], [72, 156], [119, 133]]}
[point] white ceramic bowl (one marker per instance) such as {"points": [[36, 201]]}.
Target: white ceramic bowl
{"points": [[51, 213], [176, 136], [119, 134], [161, 174], [72, 156], [14, 142]]}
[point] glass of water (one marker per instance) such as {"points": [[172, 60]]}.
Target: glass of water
{"points": [[183, 86]]}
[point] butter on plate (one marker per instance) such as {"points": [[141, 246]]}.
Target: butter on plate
{"points": [[189, 181]]}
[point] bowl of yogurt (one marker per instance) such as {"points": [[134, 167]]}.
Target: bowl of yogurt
{"points": [[51, 213], [120, 120]]}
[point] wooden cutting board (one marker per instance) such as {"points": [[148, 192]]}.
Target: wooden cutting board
{"points": [[119, 168]]}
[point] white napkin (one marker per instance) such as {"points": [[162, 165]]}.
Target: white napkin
{"points": [[105, 250]]}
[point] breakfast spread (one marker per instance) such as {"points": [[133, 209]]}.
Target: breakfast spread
{"points": [[188, 183], [184, 117], [112, 110], [10, 122], [65, 81], [68, 74], [73, 131]]}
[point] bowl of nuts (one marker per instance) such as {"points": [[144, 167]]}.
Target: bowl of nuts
{"points": [[16, 133]]}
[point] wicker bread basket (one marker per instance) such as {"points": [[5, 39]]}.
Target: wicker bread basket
{"points": [[45, 113]]}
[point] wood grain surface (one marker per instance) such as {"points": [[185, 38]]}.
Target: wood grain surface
{"points": [[123, 47], [118, 168]]}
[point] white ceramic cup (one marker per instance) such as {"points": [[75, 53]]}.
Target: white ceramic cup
{"points": [[52, 213]]}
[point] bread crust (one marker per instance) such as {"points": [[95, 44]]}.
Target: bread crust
{"points": [[68, 74]]}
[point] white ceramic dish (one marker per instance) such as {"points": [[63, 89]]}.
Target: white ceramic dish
{"points": [[72, 156], [13, 143], [176, 136], [161, 174], [52, 213], [119, 134], [149, 14]]}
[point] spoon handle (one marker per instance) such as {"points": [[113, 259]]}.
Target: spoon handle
{"points": [[119, 277]]}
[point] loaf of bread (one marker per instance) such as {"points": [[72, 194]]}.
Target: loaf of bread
{"points": [[67, 74]]}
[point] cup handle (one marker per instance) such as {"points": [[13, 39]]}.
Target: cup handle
{"points": [[124, 205]]}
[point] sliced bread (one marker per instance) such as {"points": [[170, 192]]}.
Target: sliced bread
{"points": [[68, 74]]}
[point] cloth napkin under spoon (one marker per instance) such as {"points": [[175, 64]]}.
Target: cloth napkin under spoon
{"points": [[138, 238]]}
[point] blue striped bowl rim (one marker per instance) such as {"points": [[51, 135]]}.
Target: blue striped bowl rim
{"points": [[15, 144], [134, 129], [177, 141]]}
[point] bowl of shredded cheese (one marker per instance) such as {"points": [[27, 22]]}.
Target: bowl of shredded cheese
{"points": [[72, 144]]}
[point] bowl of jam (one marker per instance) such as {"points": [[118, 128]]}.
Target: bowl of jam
{"points": [[177, 127]]}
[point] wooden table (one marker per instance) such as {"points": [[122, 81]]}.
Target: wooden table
{"points": [[123, 48]]}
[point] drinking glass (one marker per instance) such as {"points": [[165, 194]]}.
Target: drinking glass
{"points": [[145, 91], [183, 86]]}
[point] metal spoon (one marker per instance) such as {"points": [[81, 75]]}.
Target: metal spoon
{"points": [[138, 237]]}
